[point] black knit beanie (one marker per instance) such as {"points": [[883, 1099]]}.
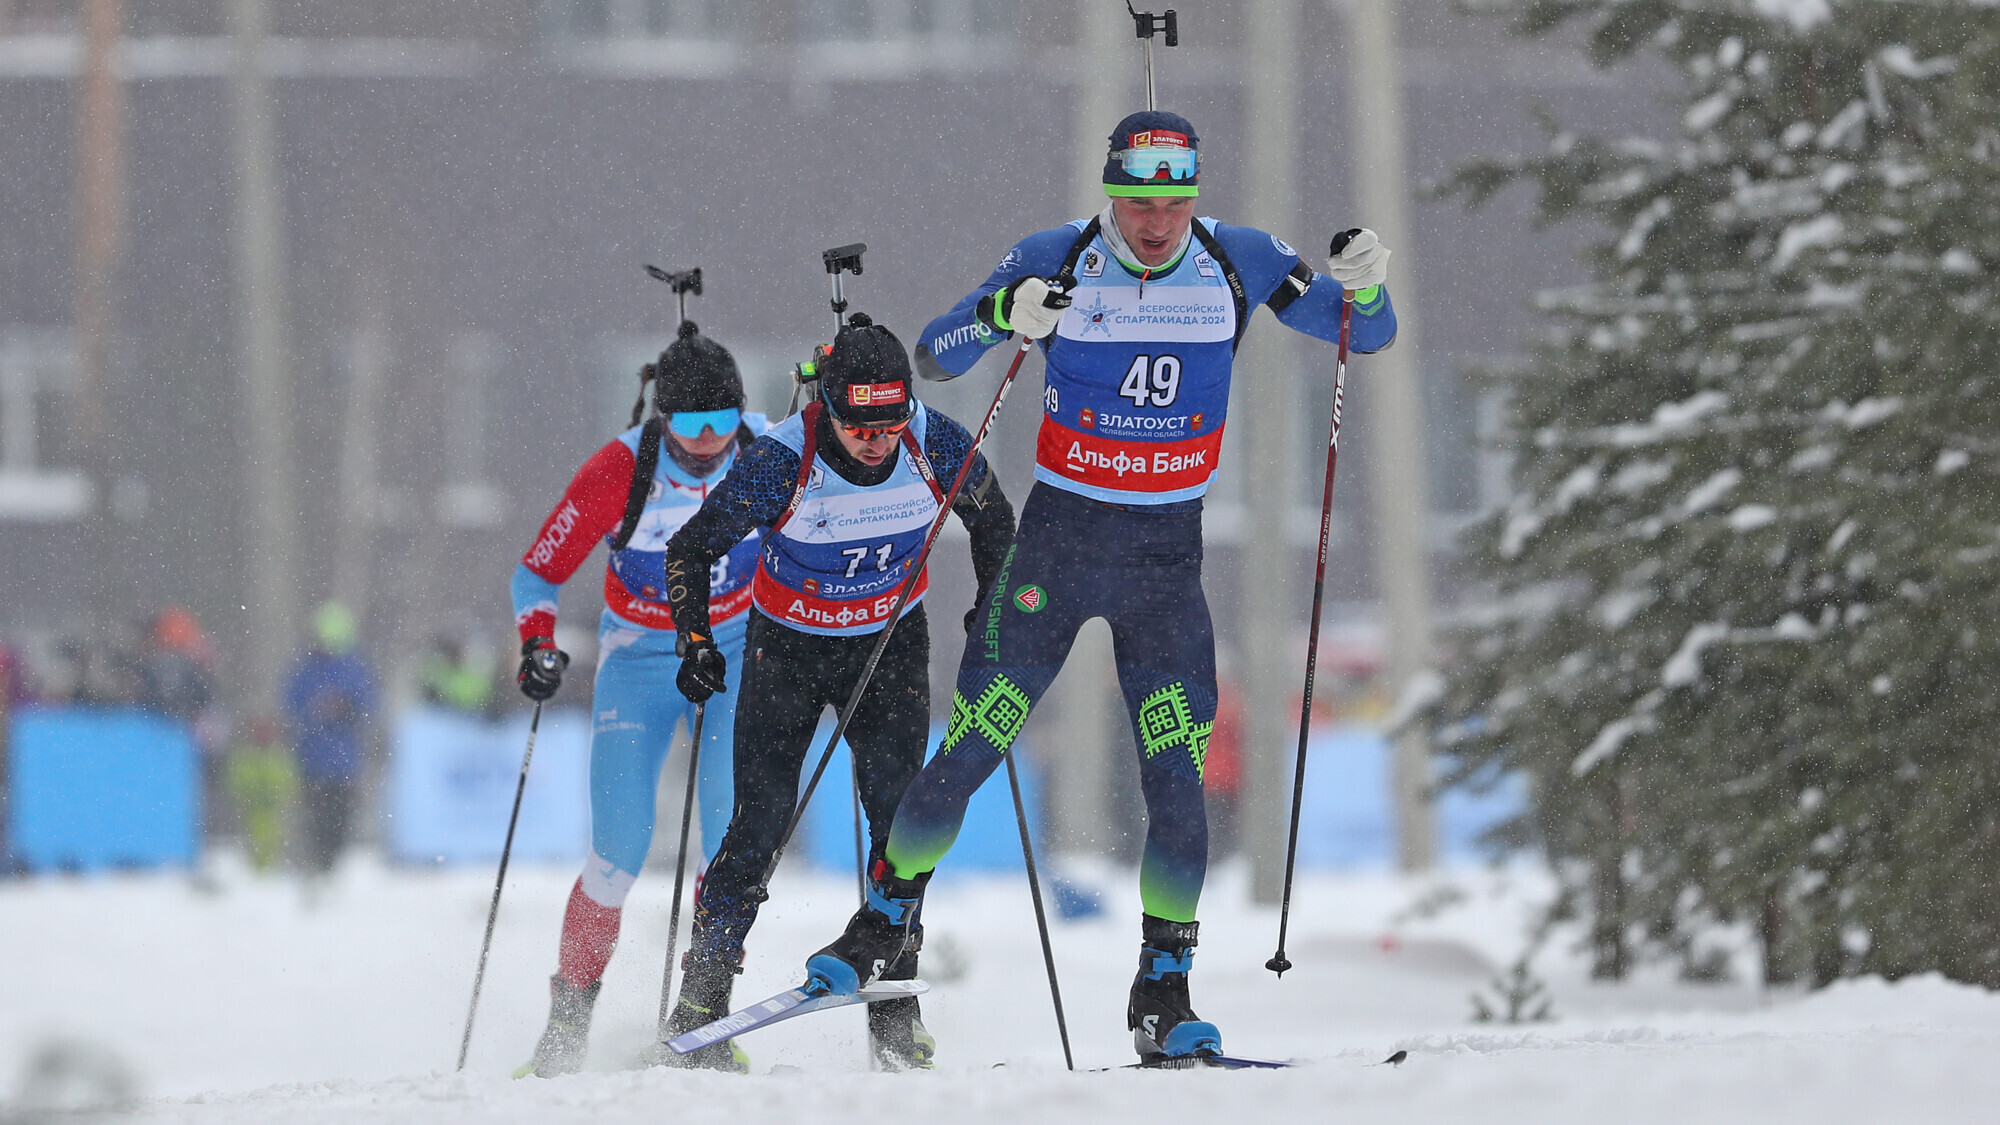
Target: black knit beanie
{"points": [[696, 373], [865, 379]]}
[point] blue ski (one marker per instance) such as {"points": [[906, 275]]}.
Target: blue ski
{"points": [[1219, 1062], [785, 1005], [1205, 1062]]}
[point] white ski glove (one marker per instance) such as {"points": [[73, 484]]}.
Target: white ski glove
{"points": [[1030, 306], [1357, 259]]}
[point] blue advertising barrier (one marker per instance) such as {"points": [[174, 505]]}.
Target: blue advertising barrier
{"points": [[451, 784], [94, 788], [1347, 819]]}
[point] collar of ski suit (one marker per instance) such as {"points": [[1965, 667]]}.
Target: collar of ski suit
{"points": [[1115, 239]]}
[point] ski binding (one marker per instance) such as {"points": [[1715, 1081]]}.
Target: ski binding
{"points": [[786, 1005], [1203, 1062]]}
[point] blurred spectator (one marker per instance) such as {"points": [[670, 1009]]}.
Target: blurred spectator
{"points": [[13, 679], [451, 677], [330, 695], [176, 676], [99, 670], [263, 783], [13, 693], [177, 679]]}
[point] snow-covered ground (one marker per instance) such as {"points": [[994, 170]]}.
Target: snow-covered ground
{"points": [[244, 1004]]}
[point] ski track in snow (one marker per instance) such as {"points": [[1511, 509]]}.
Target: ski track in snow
{"points": [[243, 1005]]}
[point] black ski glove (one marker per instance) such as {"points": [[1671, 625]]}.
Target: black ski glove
{"points": [[542, 665], [702, 669]]}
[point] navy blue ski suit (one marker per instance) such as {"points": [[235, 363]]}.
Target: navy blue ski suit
{"points": [[1136, 397]]}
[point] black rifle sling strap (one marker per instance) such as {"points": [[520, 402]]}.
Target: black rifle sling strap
{"points": [[1213, 246], [642, 483], [1067, 274], [1290, 289]]}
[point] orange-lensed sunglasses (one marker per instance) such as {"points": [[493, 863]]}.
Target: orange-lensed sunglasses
{"points": [[870, 433]]}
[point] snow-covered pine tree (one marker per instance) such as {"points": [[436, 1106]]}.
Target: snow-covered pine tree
{"points": [[1747, 645]]}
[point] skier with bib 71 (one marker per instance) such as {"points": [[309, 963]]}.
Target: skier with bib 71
{"points": [[1140, 310], [850, 487]]}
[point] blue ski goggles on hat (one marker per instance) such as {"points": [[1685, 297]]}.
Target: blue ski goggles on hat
{"points": [[1151, 163], [691, 423]]}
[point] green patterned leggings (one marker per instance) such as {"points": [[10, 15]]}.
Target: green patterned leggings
{"points": [[1075, 559]]}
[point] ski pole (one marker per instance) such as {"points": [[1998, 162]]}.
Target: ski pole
{"points": [[1279, 962], [860, 870], [763, 889], [860, 849], [493, 911], [680, 867], [1041, 918]]}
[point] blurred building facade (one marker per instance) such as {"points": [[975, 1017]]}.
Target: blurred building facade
{"points": [[469, 189]]}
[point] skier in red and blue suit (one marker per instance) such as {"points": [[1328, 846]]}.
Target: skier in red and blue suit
{"points": [[1140, 310], [632, 495]]}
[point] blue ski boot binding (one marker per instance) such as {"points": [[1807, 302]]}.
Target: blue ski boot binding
{"points": [[875, 936], [1159, 1014]]}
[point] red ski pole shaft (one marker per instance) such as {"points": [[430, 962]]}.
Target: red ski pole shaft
{"points": [[1279, 962]]}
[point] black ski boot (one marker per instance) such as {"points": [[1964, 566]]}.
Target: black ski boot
{"points": [[875, 936], [705, 988], [896, 1027], [567, 1036], [1159, 1014]]}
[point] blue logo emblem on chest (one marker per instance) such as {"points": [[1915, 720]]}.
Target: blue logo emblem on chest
{"points": [[817, 521], [1094, 315]]}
